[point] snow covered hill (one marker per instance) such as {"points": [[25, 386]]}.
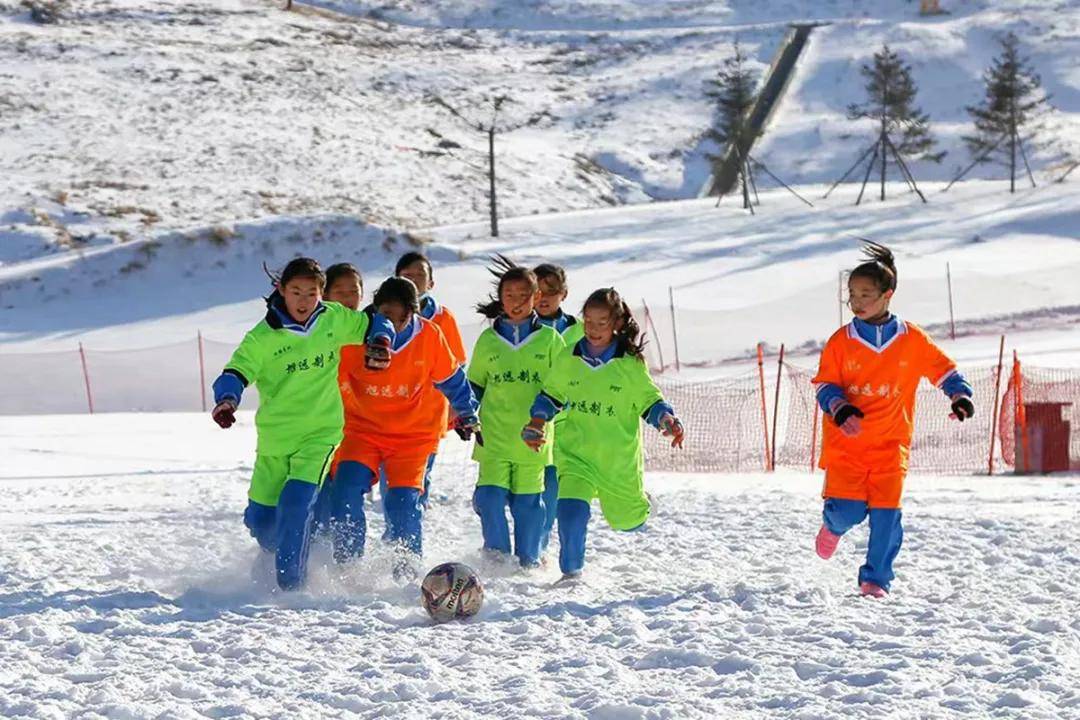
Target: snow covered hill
{"points": [[126, 590], [131, 116]]}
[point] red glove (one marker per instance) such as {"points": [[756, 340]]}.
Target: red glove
{"points": [[377, 353], [224, 413], [533, 434], [672, 428]]}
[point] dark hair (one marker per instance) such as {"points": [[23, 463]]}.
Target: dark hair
{"points": [[301, 267], [629, 337], [399, 290], [880, 266], [339, 270], [412, 257], [506, 270], [555, 274]]}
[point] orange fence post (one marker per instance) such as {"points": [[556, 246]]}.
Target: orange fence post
{"points": [[86, 379], [1020, 414], [997, 398], [813, 439], [764, 412], [202, 372], [776, 405]]}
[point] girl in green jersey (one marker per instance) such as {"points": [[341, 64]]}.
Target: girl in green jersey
{"points": [[292, 357], [509, 364], [603, 387]]}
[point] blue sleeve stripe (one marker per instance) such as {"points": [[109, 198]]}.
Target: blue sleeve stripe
{"points": [[656, 411], [378, 326], [229, 386], [478, 390], [955, 384], [459, 392], [827, 393], [545, 406]]}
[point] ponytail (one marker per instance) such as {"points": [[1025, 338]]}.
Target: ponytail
{"points": [[506, 270], [879, 267], [629, 337]]}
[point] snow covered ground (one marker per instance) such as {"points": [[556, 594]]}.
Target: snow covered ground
{"points": [[127, 590]]}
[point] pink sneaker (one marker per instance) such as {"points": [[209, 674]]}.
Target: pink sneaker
{"points": [[872, 590], [826, 543]]}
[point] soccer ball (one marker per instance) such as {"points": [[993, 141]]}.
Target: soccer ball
{"points": [[451, 590]]}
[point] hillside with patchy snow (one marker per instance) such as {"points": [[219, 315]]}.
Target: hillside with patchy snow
{"points": [[131, 117]]}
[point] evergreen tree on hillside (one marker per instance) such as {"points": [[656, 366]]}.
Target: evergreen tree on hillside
{"points": [[1013, 99], [903, 128], [733, 91]]}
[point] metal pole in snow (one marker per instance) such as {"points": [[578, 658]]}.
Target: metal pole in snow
{"points": [[776, 404], [656, 335], [840, 296], [86, 379], [674, 328], [202, 372], [997, 398], [952, 321]]}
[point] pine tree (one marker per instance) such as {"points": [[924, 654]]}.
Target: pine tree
{"points": [[904, 130], [733, 91], [1013, 98]]}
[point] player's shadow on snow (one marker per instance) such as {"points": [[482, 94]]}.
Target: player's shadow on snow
{"points": [[31, 602], [706, 592]]}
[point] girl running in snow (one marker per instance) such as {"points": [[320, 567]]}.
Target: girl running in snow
{"points": [[392, 426], [553, 291], [292, 356], [416, 267], [509, 364], [866, 382], [603, 386]]}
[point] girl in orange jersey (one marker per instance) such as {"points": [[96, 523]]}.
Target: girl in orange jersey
{"points": [[866, 382], [416, 266], [392, 426]]}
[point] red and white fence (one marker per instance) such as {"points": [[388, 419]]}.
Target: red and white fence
{"points": [[763, 419]]}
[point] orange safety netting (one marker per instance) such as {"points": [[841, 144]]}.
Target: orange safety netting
{"points": [[1039, 428]]}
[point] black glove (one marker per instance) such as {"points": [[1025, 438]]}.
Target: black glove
{"points": [[846, 411], [377, 353], [467, 426], [963, 408], [224, 413]]}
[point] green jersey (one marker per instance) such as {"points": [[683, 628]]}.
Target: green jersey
{"points": [[511, 375], [296, 372], [572, 333], [600, 434]]}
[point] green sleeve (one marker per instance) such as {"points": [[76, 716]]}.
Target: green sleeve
{"points": [[248, 358], [557, 381], [477, 372], [352, 325], [646, 393]]}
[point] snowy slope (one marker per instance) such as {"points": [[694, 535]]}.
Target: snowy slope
{"points": [[736, 279], [126, 590], [133, 115]]}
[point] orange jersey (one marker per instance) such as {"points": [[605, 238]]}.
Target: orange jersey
{"points": [[448, 324], [394, 407], [882, 383]]}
